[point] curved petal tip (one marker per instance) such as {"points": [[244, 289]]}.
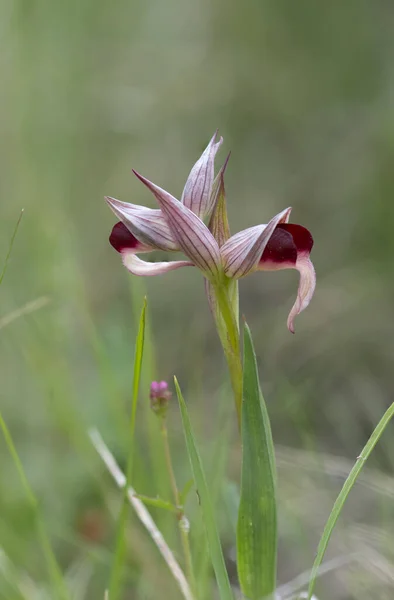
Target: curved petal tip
{"points": [[136, 266], [288, 248], [306, 289]]}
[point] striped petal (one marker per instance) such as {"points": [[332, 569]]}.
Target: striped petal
{"points": [[190, 233], [289, 248], [127, 245], [140, 267], [218, 223], [242, 252], [197, 192], [146, 224]]}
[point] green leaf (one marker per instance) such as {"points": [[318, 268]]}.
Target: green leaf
{"points": [[343, 494], [257, 520], [115, 583], [185, 491], [158, 503], [200, 481]]}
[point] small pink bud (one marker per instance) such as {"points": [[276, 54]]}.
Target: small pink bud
{"points": [[159, 397]]}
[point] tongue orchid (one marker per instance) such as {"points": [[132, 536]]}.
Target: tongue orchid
{"points": [[197, 225]]}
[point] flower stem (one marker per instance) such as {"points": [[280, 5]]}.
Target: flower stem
{"points": [[182, 520], [230, 342]]}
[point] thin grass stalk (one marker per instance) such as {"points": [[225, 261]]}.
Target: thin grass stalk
{"points": [[54, 571], [142, 513]]}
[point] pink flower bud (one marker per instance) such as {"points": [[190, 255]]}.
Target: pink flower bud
{"points": [[159, 397]]}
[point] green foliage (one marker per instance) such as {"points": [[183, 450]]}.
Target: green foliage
{"points": [[115, 584], [208, 514], [347, 486], [257, 536], [301, 92]]}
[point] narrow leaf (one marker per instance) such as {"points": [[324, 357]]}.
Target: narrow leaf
{"points": [[208, 515], [115, 583], [257, 520], [343, 494], [185, 491], [157, 503]]}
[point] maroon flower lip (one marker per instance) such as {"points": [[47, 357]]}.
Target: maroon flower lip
{"points": [[121, 239], [180, 225], [286, 244]]}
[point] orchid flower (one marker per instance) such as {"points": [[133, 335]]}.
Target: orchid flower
{"points": [[197, 226]]}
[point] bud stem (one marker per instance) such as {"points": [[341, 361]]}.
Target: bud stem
{"points": [[184, 534]]}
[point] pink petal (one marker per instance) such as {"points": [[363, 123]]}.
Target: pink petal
{"points": [[306, 289], [197, 192], [218, 223], [289, 248], [146, 224], [140, 267], [242, 252], [192, 236]]}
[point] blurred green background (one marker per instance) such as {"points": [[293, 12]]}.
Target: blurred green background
{"points": [[302, 93]]}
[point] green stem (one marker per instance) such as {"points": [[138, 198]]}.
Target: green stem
{"points": [[231, 343], [182, 521]]}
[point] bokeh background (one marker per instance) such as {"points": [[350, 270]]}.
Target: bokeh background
{"points": [[303, 94]]}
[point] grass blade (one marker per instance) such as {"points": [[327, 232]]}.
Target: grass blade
{"points": [[7, 258], [158, 503], [142, 513], [59, 586], [257, 520], [115, 584], [206, 504], [343, 494]]}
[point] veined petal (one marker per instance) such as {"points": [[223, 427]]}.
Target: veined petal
{"points": [[197, 191], [127, 244], [242, 252], [289, 248], [140, 267], [192, 236], [218, 223], [306, 289], [148, 225]]}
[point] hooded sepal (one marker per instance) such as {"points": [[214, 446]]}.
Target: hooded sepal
{"points": [[198, 188], [148, 225], [190, 233], [242, 252], [218, 223]]}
